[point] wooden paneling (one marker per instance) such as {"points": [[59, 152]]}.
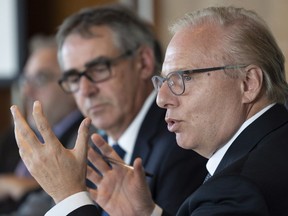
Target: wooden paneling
{"points": [[46, 15]]}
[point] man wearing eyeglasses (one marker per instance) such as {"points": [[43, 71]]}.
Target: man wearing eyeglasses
{"points": [[223, 87], [108, 57]]}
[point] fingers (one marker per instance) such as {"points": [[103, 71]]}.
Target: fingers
{"points": [[98, 162], [139, 169], [42, 124], [104, 147], [93, 176], [96, 159], [25, 137], [93, 194], [81, 145]]}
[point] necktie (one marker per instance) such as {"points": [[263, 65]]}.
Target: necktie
{"points": [[207, 177], [121, 152]]}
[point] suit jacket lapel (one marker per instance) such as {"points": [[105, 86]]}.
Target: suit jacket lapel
{"points": [[68, 138], [256, 131], [148, 129]]}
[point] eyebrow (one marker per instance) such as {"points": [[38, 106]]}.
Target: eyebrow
{"points": [[174, 71], [97, 60]]}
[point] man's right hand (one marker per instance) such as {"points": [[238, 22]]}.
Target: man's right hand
{"points": [[59, 171], [120, 190]]}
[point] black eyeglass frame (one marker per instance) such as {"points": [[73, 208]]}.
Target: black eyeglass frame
{"points": [[107, 62], [157, 79]]}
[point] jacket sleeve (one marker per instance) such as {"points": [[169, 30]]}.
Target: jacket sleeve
{"points": [[87, 210]]}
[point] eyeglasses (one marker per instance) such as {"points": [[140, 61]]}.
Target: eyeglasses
{"points": [[96, 71], [176, 80]]}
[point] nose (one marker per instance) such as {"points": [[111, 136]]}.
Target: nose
{"points": [[87, 87], [165, 98]]}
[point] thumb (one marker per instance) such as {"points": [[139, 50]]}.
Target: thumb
{"points": [[81, 146], [139, 169]]}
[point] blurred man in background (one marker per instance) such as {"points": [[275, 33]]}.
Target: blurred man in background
{"points": [[19, 190]]}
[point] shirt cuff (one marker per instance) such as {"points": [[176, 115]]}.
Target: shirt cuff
{"points": [[70, 204], [157, 211]]}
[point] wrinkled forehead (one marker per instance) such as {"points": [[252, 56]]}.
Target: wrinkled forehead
{"points": [[193, 47], [77, 50]]}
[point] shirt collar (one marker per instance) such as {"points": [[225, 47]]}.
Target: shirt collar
{"points": [[216, 158], [128, 138]]}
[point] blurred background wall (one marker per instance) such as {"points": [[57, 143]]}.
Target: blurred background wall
{"points": [[45, 16]]}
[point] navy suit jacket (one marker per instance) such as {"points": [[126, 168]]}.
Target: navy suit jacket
{"points": [[252, 178], [176, 172]]}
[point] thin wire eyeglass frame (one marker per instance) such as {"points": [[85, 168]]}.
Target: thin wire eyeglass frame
{"points": [[158, 80]]}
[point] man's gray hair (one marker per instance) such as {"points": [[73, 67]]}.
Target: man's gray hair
{"points": [[247, 40], [130, 32]]}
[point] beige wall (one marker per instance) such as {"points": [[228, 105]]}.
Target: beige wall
{"points": [[275, 13]]}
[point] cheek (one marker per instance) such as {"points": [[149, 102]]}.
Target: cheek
{"points": [[40, 94], [121, 92], [199, 115]]}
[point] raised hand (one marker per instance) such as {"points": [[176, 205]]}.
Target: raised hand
{"points": [[59, 171], [120, 190]]}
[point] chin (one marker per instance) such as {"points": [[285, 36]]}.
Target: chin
{"points": [[181, 142], [186, 141]]}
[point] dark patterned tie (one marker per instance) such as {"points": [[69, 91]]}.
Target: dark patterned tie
{"points": [[207, 177], [121, 152]]}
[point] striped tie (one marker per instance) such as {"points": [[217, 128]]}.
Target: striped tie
{"points": [[207, 177]]}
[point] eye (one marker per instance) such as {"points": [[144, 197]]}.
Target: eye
{"points": [[73, 78], [171, 82], [187, 77]]}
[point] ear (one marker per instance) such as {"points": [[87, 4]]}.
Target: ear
{"points": [[145, 62], [252, 83]]}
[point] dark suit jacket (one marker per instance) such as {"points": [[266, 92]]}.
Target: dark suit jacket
{"points": [[252, 178], [177, 172], [9, 155]]}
